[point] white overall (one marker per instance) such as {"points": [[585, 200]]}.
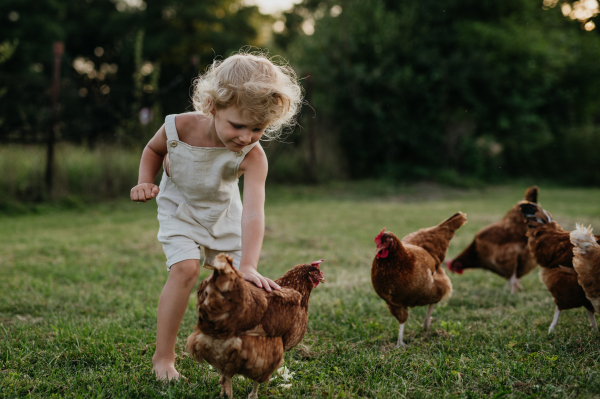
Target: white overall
{"points": [[199, 204]]}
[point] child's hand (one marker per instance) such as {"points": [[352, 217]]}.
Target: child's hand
{"points": [[252, 275], [144, 192]]}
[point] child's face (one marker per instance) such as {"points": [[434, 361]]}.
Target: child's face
{"points": [[236, 129]]}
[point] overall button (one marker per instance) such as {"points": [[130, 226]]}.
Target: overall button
{"points": [[239, 153], [173, 144]]}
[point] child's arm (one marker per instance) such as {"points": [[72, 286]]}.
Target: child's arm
{"points": [[255, 170], [152, 158]]}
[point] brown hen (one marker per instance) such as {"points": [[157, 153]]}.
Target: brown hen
{"points": [[586, 261], [552, 249], [501, 247], [407, 273], [244, 330]]}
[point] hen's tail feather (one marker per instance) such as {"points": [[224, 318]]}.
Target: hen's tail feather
{"points": [[455, 221], [583, 240], [531, 194], [586, 261]]}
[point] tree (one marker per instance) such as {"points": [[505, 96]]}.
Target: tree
{"points": [[429, 89], [120, 55]]}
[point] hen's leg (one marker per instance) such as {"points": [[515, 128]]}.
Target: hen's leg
{"points": [[222, 382], [401, 343], [554, 321], [228, 388], [401, 314], [427, 322], [514, 283], [592, 319], [254, 393]]}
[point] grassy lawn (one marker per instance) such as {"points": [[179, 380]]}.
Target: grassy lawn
{"points": [[79, 292]]}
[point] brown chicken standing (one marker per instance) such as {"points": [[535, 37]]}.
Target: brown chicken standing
{"points": [[552, 248], [501, 247], [586, 261], [244, 330], [407, 273]]}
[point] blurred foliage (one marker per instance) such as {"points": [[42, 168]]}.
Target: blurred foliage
{"points": [[457, 91], [120, 56], [429, 89]]}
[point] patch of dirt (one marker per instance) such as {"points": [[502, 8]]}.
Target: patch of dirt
{"points": [[441, 333], [304, 352], [522, 386], [28, 319], [390, 346]]}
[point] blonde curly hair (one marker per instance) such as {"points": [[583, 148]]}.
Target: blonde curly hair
{"points": [[267, 88]]}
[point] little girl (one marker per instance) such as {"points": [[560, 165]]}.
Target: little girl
{"points": [[204, 153]]}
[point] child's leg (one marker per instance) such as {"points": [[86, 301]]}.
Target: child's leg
{"points": [[171, 307]]}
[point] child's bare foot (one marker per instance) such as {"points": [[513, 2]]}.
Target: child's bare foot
{"points": [[164, 370]]}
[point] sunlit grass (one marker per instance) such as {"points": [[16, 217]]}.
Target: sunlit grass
{"points": [[102, 172], [79, 290]]}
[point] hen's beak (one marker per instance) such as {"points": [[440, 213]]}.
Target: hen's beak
{"points": [[321, 277]]}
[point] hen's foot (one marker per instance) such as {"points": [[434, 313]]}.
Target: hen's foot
{"points": [[514, 284], [592, 319], [165, 371]]}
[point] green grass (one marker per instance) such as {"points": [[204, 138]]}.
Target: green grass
{"points": [[102, 172], [109, 171], [79, 291]]}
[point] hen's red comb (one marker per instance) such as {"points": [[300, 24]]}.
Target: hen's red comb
{"points": [[378, 238], [316, 263]]}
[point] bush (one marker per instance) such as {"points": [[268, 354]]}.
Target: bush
{"points": [[486, 89]]}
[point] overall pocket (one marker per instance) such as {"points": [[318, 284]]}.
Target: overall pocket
{"points": [[204, 216], [223, 228]]}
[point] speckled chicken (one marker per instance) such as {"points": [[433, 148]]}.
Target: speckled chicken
{"points": [[552, 249], [586, 261], [244, 330], [407, 273], [501, 247]]}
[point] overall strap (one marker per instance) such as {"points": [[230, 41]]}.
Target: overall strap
{"points": [[170, 128], [241, 154], [247, 149]]}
